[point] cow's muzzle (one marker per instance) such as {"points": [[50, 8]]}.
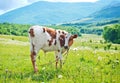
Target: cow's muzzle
{"points": [[66, 47]]}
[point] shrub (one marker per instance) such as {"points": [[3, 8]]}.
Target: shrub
{"points": [[116, 48], [112, 33]]}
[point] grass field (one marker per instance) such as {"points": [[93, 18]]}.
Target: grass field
{"points": [[90, 60]]}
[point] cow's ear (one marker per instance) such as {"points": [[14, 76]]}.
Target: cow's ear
{"points": [[75, 36]]}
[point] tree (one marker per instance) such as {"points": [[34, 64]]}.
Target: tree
{"points": [[112, 33]]}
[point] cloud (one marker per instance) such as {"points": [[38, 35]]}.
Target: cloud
{"points": [[31, 1], [7, 5], [72, 0]]}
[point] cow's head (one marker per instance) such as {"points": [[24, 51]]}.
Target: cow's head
{"points": [[69, 40]]}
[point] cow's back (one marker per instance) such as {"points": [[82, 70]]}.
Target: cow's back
{"points": [[37, 36]]}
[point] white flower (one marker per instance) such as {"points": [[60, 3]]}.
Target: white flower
{"points": [[43, 68], [75, 49], [99, 58], [95, 52], [60, 76]]}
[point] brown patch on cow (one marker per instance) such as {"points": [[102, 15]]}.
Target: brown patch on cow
{"points": [[63, 32], [75, 36], [31, 32], [33, 52], [44, 30], [58, 50], [70, 42], [62, 40], [50, 42], [52, 33], [56, 61]]}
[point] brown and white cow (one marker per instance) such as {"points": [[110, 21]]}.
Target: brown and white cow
{"points": [[48, 39]]}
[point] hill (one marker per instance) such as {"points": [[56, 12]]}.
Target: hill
{"points": [[109, 12], [106, 15], [51, 13], [95, 23]]}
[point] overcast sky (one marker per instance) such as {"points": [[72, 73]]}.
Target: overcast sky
{"points": [[7, 5]]}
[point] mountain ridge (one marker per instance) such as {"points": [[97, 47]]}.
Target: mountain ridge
{"points": [[108, 12], [50, 13]]}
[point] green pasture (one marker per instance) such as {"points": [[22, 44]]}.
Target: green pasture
{"points": [[90, 60]]}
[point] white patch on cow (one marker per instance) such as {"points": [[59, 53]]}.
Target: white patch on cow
{"points": [[67, 39]]}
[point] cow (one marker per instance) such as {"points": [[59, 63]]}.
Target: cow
{"points": [[48, 39]]}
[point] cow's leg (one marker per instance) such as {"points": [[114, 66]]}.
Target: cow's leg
{"points": [[61, 63], [56, 56], [60, 57], [34, 51], [33, 59]]}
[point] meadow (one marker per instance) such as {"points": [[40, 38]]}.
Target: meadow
{"points": [[90, 60]]}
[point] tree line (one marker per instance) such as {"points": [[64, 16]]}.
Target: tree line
{"points": [[22, 29], [110, 33], [14, 29]]}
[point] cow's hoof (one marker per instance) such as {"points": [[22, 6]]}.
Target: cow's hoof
{"points": [[36, 70]]}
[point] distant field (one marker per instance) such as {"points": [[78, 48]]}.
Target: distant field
{"points": [[90, 60]]}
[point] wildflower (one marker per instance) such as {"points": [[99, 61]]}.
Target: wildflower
{"points": [[99, 58], [60, 76], [43, 68], [75, 49], [95, 52]]}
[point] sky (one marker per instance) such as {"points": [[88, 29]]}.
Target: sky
{"points": [[8, 5]]}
